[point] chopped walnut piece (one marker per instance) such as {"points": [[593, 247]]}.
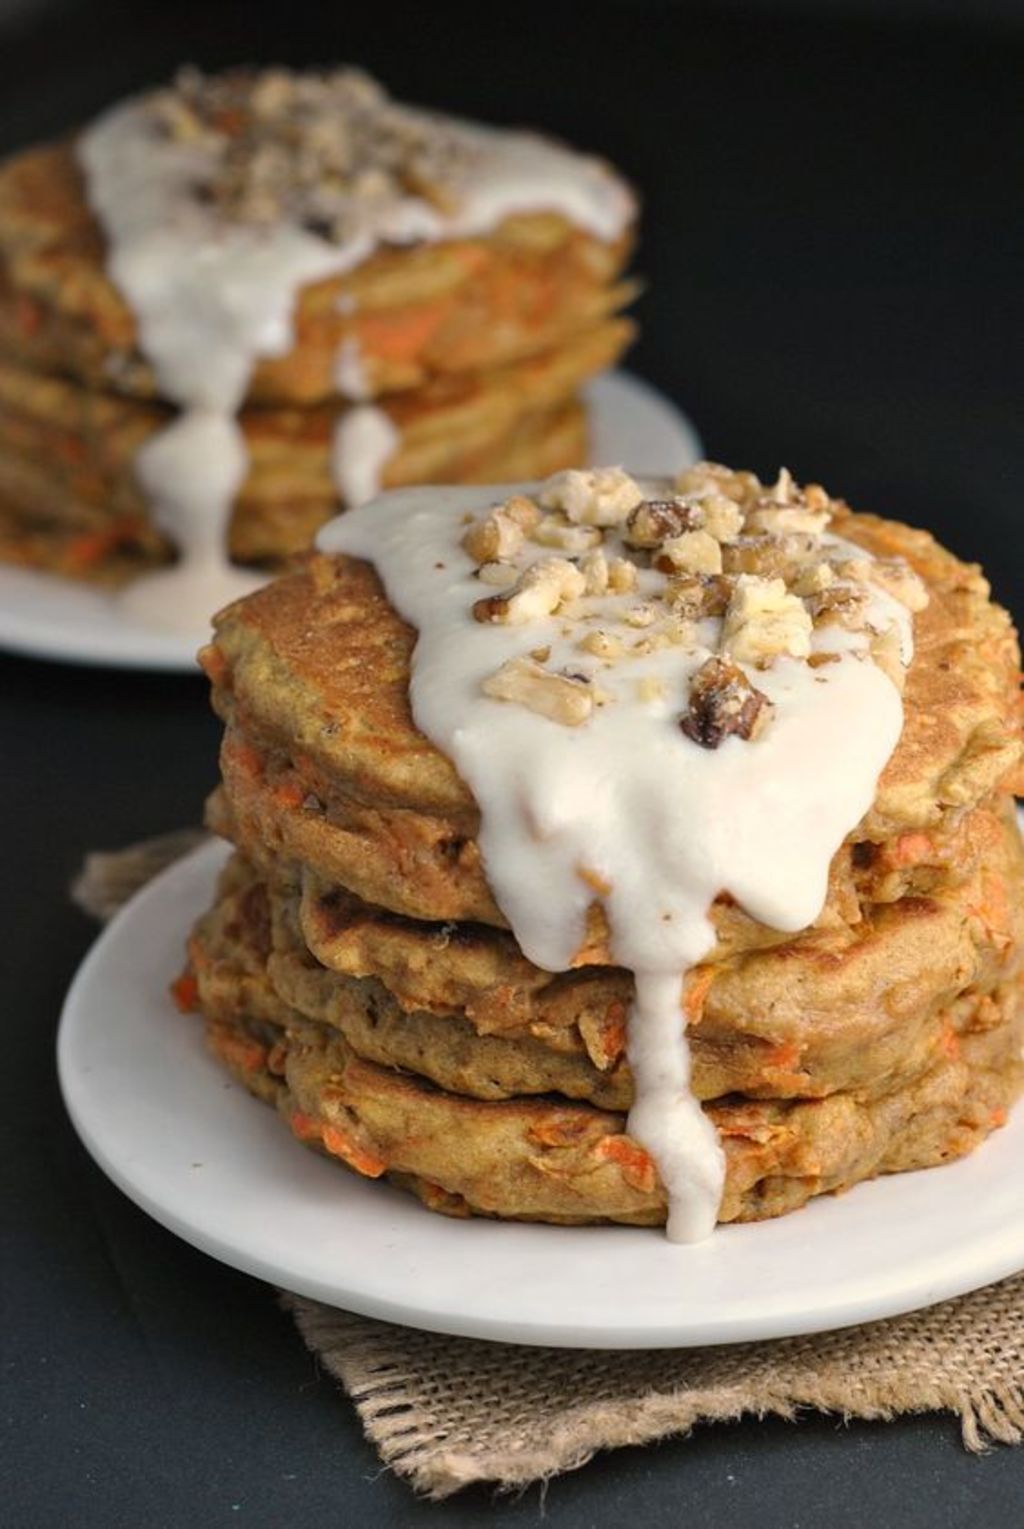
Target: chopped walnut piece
{"points": [[499, 575], [723, 702], [655, 521], [768, 516], [813, 579], [599, 496], [885, 650], [772, 557], [713, 478], [555, 530], [640, 615], [594, 568], [897, 578], [602, 644], [497, 536], [764, 620], [692, 552], [694, 598], [622, 576], [563, 698], [721, 518], [840, 605], [539, 592], [819, 659]]}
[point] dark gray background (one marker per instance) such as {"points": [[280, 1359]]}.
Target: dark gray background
{"points": [[832, 245]]}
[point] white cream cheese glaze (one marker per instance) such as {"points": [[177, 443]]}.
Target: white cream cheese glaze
{"points": [[212, 296], [660, 825]]}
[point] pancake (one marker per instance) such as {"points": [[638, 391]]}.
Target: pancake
{"points": [[819, 1015], [550, 1160], [461, 306], [324, 769]]}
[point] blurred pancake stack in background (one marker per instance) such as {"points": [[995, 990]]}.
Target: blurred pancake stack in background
{"points": [[297, 292]]}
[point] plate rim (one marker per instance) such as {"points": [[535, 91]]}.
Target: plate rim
{"points": [[67, 637], [932, 1287]]}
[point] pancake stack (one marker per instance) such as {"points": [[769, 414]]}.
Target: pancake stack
{"points": [[356, 971], [463, 352]]}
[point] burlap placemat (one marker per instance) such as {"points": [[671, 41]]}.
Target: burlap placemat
{"points": [[446, 1412]]}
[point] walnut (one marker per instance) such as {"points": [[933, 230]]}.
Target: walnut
{"points": [[840, 604], [812, 579], [655, 521], [499, 575], [763, 621], [538, 592], [771, 557], [723, 702], [622, 576], [563, 698], [500, 534], [706, 478], [694, 598], [594, 568], [555, 530], [599, 496], [886, 653], [776, 519], [720, 517], [640, 615], [692, 552], [602, 644], [897, 578]]}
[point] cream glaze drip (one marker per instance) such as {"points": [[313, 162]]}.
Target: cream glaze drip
{"points": [[627, 798], [211, 298]]}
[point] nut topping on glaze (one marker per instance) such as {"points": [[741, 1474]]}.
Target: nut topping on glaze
{"points": [[601, 496], [563, 698], [723, 703], [540, 590]]}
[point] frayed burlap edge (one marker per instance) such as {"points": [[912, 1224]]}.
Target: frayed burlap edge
{"points": [[448, 1412], [444, 1413]]}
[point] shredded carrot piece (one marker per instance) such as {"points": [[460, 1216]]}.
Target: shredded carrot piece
{"points": [[997, 1118], [185, 992], [289, 794], [697, 989], [911, 849], [563, 1131], [636, 1165], [238, 1050], [949, 1042], [304, 1126], [783, 1056], [613, 1033], [400, 336], [91, 547], [342, 1145], [242, 754]]}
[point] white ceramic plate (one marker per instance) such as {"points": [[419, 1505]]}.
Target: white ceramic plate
{"points": [[219, 1168], [54, 618]]}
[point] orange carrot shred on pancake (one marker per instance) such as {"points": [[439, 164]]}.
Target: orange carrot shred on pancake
{"points": [[697, 988], [304, 1126], [289, 794], [635, 1164], [340, 1144], [185, 992]]}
